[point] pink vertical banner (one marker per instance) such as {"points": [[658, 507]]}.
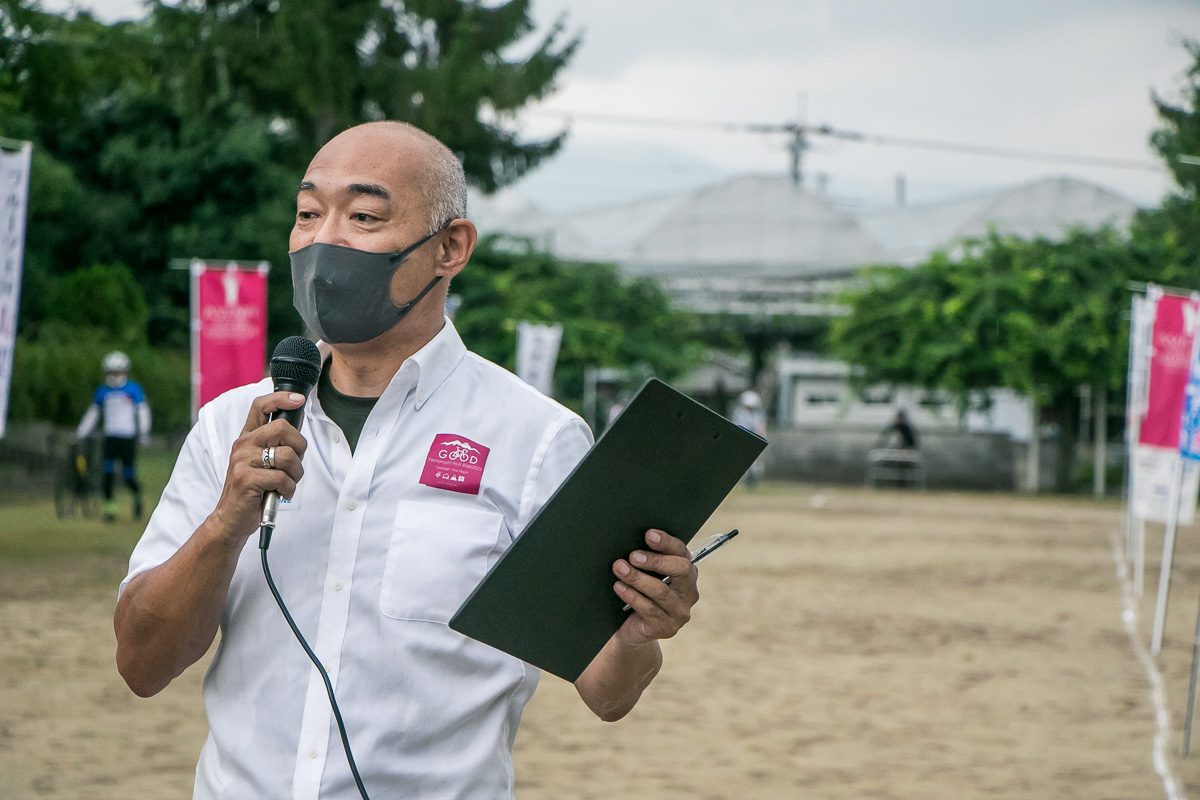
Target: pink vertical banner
{"points": [[1170, 360], [229, 328]]}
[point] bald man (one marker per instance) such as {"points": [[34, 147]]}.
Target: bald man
{"points": [[421, 464]]}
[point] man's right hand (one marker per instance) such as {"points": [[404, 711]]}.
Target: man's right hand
{"points": [[247, 479]]}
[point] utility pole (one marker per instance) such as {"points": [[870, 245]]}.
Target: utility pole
{"points": [[796, 148], [799, 142]]}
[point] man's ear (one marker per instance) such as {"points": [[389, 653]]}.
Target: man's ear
{"points": [[456, 247]]}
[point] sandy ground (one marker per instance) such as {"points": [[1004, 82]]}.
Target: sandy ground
{"points": [[850, 644]]}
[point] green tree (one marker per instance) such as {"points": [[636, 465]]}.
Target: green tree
{"points": [[607, 321], [317, 67], [104, 299], [184, 134], [1041, 317], [1180, 134], [1176, 221], [55, 376]]}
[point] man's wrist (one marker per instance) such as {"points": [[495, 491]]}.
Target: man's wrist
{"points": [[635, 649], [218, 531]]}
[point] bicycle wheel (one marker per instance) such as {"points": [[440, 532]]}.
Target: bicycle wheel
{"points": [[88, 498], [88, 477], [65, 497]]}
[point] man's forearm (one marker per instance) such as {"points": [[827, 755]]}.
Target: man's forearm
{"points": [[167, 617], [614, 681]]}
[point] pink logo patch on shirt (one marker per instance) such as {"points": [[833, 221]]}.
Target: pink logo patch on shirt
{"points": [[455, 463]]}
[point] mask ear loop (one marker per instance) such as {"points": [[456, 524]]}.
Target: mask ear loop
{"points": [[404, 308], [398, 260]]}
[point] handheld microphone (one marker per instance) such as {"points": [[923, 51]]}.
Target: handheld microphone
{"points": [[295, 367]]}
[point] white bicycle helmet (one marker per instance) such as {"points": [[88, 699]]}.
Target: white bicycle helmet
{"points": [[116, 361], [750, 399]]}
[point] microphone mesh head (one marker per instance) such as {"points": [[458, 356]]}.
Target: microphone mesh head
{"points": [[296, 359]]}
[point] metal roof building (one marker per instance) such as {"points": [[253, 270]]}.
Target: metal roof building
{"points": [[759, 245], [1047, 207]]}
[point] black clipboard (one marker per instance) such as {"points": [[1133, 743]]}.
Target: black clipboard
{"points": [[667, 462]]}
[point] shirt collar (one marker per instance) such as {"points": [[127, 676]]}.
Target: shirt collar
{"points": [[433, 363]]}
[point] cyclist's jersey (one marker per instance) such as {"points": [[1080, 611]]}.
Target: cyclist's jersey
{"points": [[121, 408]]}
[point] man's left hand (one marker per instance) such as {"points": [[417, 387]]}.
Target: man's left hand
{"points": [[660, 609]]}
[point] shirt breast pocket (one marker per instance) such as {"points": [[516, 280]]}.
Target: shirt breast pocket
{"points": [[437, 556]]}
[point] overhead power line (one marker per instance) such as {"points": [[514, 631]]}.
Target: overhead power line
{"points": [[800, 134]]}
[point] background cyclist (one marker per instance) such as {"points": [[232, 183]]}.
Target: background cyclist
{"points": [[121, 403]]}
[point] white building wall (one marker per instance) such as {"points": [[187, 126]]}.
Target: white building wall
{"points": [[816, 392]]}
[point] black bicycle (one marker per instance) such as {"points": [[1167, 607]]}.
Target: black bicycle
{"points": [[77, 481]]}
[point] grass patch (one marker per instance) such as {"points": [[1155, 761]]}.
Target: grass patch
{"points": [[30, 531]]}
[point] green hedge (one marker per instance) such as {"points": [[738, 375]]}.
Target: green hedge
{"points": [[54, 378]]}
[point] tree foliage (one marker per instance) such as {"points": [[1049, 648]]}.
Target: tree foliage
{"points": [[1180, 131], [607, 322], [103, 299], [1176, 221], [184, 134], [1041, 317], [319, 66]]}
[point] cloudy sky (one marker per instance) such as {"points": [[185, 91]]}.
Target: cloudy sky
{"points": [[1064, 76]]}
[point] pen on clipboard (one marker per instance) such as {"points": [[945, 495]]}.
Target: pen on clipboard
{"points": [[701, 554]]}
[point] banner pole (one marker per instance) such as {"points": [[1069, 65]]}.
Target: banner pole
{"points": [[1033, 456], [1164, 569], [194, 270], [1139, 561], [1099, 441], [1187, 727], [1131, 437]]}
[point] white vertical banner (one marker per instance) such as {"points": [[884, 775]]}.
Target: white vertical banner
{"points": [[14, 199], [1161, 343], [1140, 325], [1155, 474], [537, 353]]}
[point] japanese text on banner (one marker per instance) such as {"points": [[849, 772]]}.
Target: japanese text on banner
{"points": [[14, 197], [229, 329]]}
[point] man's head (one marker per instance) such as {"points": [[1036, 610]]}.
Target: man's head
{"points": [[380, 188], [116, 369]]}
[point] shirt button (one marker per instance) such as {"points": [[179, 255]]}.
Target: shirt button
{"points": [[352, 505], [312, 752], [420, 397], [337, 437], [337, 586]]}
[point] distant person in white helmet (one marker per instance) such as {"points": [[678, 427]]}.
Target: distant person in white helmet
{"points": [[121, 404], [749, 414]]}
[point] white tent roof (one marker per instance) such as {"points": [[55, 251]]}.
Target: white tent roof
{"points": [[752, 226], [763, 228], [510, 213], [612, 231], [1047, 207]]}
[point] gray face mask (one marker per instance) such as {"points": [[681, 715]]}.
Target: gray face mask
{"points": [[344, 294]]}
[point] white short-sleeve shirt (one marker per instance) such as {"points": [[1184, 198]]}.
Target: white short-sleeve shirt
{"points": [[373, 555]]}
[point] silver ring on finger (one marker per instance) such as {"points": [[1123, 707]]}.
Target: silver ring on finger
{"points": [[268, 457]]}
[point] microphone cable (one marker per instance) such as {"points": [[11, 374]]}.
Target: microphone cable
{"points": [[337, 712]]}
